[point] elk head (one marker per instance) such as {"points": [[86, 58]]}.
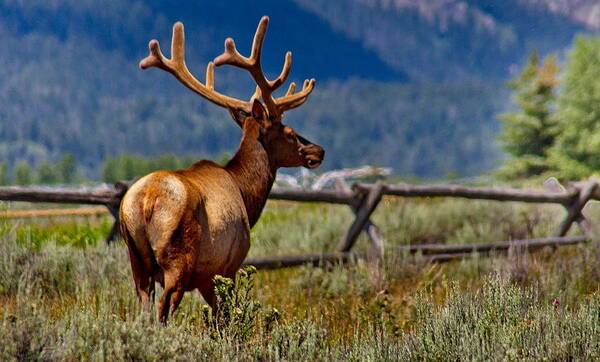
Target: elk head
{"points": [[284, 146]]}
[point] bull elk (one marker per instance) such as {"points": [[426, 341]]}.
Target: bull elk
{"points": [[184, 227]]}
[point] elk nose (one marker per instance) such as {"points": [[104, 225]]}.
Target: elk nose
{"points": [[318, 151], [314, 150]]}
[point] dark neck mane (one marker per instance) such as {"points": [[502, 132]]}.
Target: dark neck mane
{"points": [[252, 171]]}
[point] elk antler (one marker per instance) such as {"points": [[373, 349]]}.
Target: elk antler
{"points": [[265, 87], [176, 66]]}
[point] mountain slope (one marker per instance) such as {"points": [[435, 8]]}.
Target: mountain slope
{"points": [[411, 85], [448, 40], [126, 26]]}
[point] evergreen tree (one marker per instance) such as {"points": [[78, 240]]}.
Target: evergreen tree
{"points": [[143, 166], [530, 132], [577, 151], [165, 162], [3, 173], [23, 174], [67, 169], [46, 174], [110, 170], [129, 166]]}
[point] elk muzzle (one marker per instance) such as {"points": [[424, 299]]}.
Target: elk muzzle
{"points": [[313, 155]]}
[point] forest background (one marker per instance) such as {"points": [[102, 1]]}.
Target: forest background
{"points": [[416, 86]]}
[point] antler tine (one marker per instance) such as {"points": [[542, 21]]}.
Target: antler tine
{"points": [[155, 58], [292, 100], [291, 89], [287, 66], [210, 76], [178, 45], [177, 67], [256, 54], [253, 65], [232, 57], [259, 38]]}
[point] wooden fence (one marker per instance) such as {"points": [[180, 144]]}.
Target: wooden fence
{"points": [[363, 199]]}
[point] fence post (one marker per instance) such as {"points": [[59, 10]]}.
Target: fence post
{"points": [[376, 253], [363, 212], [114, 230], [586, 191], [113, 207]]}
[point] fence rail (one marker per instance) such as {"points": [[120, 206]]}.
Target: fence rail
{"points": [[103, 196], [21, 214], [364, 199], [479, 193], [429, 252]]}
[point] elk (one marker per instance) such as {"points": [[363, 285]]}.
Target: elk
{"points": [[184, 227]]}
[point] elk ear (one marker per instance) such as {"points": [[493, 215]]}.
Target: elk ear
{"points": [[259, 113]]}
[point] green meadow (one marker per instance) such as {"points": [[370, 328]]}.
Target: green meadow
{"points": [[66, 295]]}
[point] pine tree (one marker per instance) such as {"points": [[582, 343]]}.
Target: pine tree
{"points": [[530, 132], [46, 174], [67, 169], [23, 174], [110, 171], [165, 162], [131, 166], [577, 151], [3, 173]]}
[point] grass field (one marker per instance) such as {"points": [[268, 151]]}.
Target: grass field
{"points": [[65, 295]]}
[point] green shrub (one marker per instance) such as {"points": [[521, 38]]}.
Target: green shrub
{"points": [[66, 295], [504, 322], [237, 313]]}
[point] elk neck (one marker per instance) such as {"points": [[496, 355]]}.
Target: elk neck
{"points": [[253, 171]]}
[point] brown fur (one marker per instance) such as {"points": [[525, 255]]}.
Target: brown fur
{"points": [[184, 227]]}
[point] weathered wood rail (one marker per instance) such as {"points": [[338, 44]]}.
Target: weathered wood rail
{"points": [[430, 252], [364, 199], [479, 193], [103, 196], [28, 214]]}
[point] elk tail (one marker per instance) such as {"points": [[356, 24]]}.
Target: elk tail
{"points": [[148, 262], [150, 201]]}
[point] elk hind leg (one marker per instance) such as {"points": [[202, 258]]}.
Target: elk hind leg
{"points": [[207, 289], [142, 277], [172, 295]]}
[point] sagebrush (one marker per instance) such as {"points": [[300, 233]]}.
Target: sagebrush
{"points": [[62, 301]]}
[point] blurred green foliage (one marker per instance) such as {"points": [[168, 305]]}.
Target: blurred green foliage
{"points": [[398, 94], [46, 173], [401, 95], [128, 167], [122, 167], [23, 174], [556, 133], [575, 154], [529, 132]]}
